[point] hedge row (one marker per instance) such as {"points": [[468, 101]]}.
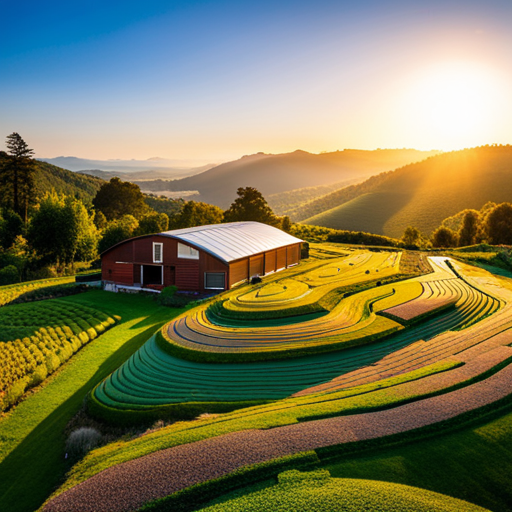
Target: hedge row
{"points": [[40, 337]]}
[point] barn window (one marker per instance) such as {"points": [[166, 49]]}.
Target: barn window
{"points": [[157, 253], [214, 280], [185, 251]]}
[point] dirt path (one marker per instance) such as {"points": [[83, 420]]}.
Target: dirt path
{"points": [[127, 486]]}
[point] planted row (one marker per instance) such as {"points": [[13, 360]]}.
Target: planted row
{"points": [[13, 291], [39, 337]]}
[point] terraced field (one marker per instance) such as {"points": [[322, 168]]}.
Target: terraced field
{"points": [[446, 358], [155, 376]]}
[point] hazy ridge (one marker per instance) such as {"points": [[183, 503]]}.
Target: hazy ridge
{"points": [[420, 194]]}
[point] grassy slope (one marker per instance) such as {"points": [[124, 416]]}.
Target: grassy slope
{"points": [[317, 490], [50, 177], [421, 194], [473, 464], [31, 440]]}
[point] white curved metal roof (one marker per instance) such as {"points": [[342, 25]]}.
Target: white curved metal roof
{"points": [[234, 240]]}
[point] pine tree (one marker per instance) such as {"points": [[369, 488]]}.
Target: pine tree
{"points": [[17, 175]]}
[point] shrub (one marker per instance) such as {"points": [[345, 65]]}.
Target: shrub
{"points": [[9, 275], [81, 441], [169, 291], [170, 298]]}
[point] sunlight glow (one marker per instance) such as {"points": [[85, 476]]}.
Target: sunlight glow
{"points": [[457, 103]]}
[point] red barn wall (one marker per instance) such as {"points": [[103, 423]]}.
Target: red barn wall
{"points": [[122, 264], [186, 274]]}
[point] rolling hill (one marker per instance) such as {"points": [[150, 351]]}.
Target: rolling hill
{"points": [[273, 174], [50, 177], [420, 194]]}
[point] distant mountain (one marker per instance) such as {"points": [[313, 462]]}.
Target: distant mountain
{"points": [[153, 168], [50, 177], [420, 194], [151, 175], [273, 174]]}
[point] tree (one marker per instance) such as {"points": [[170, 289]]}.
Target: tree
{"points": [[444, 237], [196, 213], [152, 223], [117, 231], [498, 224], [411, 237], [469, 229], [10, 227], [250, 205], [17, 175], [117, 198], [286, 224], [100, 220], [62, 231]]}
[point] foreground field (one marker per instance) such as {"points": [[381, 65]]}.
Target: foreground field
{"points": [[32, 439], [447, 364], [303, 491]]}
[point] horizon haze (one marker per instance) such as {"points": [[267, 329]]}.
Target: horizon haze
{"points": [[212, 81]]}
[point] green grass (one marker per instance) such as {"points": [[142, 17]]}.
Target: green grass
{"points": [[473, 464], [31, 436], [316, 490]]}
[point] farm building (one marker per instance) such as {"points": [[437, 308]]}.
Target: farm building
{"points": [[202, 258]]}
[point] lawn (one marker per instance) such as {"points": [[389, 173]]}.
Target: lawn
{"points": [[31, 436]]}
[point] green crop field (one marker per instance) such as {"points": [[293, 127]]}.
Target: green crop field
{"points": [[296, 364], [39, 337]]}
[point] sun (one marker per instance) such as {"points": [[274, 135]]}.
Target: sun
{"points": [[455, 103]]}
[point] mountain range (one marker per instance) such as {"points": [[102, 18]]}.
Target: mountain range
{"points": [[152, 168], [50, 177], [421, 194], [274, 174]]}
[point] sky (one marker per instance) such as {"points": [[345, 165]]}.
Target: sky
{"points": [[210, 81]]}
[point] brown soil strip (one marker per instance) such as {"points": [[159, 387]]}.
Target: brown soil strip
{"points": [[129, 485]]}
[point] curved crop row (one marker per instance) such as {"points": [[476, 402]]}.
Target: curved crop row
{"points": [[302, 293], [316, 490], [154, 377]]}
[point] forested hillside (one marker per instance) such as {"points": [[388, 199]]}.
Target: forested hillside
{"points": [[420, 194], [48, 177], [273, 174]]}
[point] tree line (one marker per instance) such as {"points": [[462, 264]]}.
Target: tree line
{"points": [[44, 235], [492, 224]]}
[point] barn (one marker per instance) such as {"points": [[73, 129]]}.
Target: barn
{"points": [[200, 259]]}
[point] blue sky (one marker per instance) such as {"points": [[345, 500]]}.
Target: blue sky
{"points": [[215, 80]]}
